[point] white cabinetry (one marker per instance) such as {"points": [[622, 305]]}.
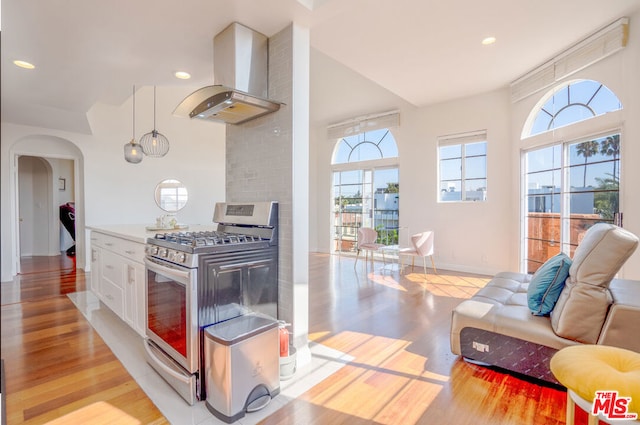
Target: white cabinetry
{"points": [[96, 266], [118, 277], [135, 313]]}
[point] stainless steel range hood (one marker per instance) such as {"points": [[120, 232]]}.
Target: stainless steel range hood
{"points": [[240, 90]]}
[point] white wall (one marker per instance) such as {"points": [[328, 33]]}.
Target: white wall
{"points": [[115, 191], [337, 94], [341, 94], [469, 236], [119, 192]]}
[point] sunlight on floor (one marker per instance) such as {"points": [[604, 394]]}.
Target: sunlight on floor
{"points": [[402, 385], [386, 280], [96, 413], [440, 284]]}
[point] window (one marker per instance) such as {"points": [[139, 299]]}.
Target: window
{"points": [[569, 185], [463, 167], [367, 146], [366, 188], [569, 188], [573, 102]]}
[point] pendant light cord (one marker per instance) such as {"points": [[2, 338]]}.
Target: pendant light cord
{"points": [[154, 108], [133, 136]]}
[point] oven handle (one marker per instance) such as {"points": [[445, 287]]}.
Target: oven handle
{"points": [[249, 264], [180, 276]]}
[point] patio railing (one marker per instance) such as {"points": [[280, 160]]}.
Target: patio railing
{"points": [[347, 223]]}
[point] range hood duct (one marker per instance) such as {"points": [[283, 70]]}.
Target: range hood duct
{"points": [[240, 90]]}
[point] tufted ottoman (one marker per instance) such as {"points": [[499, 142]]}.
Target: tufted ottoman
{"points": [[599, 379]]}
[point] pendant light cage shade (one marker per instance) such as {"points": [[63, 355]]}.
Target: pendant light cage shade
{"points": [[133, 152], [154, 144]]}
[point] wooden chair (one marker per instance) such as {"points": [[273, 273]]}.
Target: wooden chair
{"points": [[422, 246]]}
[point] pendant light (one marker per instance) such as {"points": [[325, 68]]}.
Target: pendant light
{"points": [[154, 144], [133, 150]]}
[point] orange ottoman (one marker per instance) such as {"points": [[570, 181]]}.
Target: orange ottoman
{"points": [[602, 381]]}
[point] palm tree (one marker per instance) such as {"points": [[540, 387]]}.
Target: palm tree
{"points": [[587, 149], [611, 147], [606, 200], [392, 188]]}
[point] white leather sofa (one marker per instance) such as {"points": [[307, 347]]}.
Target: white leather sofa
{"points": [[495, 327]]}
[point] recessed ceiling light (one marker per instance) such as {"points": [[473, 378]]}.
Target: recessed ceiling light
{"points": [[182, 75], [488, 40], [23, 64]]}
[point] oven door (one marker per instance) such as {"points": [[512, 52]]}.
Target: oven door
{"points": [[172, 321]]}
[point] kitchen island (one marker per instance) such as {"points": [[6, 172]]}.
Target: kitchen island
{"points": [[118, 270]]}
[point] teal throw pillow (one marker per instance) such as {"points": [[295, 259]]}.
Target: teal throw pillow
{"points": [[547, 283]]}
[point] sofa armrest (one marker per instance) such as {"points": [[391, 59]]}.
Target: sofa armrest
{"points": [[623, 317]]}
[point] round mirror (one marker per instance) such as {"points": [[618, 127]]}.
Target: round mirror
{"points": [[171, 195]]}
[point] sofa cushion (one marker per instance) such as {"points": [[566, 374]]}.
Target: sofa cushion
{"points": [[547, 283], [601, 253], [582, 308], [501, 307]]}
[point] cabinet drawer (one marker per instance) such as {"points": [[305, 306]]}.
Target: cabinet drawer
{"points": [[129, 249], [113, 297], [104, 241], [132, 250], [112, 268]]}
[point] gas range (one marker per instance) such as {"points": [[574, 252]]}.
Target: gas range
{"points": [[241, 227], [197, 279], [183, 247]]}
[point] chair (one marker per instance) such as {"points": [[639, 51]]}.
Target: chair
{"points": [[422, 246], [367, 241]]}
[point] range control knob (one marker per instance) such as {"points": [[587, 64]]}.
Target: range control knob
{"points": [[164, 252], [180, 257]]}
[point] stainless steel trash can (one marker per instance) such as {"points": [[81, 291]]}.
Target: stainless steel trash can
{"points": [[242, 366]]}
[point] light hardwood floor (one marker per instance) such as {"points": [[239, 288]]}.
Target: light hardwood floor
{"points": [[396, 326], [55, 363]]}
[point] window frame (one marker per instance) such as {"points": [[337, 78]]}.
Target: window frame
{"points": [[581, 130], [566, 187], [372, 166], [463, 140]]}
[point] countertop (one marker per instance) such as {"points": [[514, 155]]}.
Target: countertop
{"points": [[139, 233]]}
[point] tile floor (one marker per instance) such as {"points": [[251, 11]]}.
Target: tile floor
{"points": [[127, 345]]}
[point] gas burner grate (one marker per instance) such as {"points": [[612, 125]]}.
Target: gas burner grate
{"points": [[208, 238]]}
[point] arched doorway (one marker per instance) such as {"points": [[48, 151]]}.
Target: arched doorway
{"points": [[63, 163]]}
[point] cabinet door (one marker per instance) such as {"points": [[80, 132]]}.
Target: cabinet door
{"points": [[111, 283], [135, 313], [96, 266], [237, 283], [261, 287]]}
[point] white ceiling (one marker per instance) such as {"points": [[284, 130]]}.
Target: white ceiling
{"points": [[424, 51]]}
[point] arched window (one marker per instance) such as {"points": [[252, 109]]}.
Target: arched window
{"points": [[572, 183], [571, 103], [366, 146], [366, 188]]}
